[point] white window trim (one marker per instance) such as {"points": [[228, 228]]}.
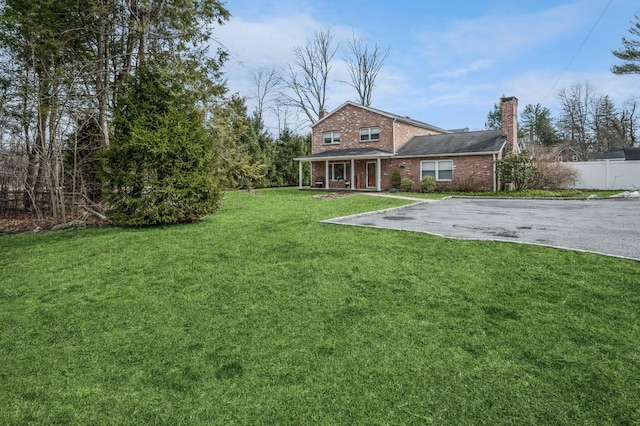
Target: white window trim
{"points": [[369, 133], [333, 138], [437, 169], [347, 173]]}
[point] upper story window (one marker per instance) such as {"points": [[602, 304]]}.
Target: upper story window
{"points": [[370, 134], [331, 138], [441, 170]]}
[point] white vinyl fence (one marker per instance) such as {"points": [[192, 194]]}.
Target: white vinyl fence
{"points": [[608, 174]]}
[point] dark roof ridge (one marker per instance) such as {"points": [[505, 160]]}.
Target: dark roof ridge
{"points": [[405, 119]]}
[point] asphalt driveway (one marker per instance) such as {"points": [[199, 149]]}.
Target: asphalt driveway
{"points": [[608, 226]]}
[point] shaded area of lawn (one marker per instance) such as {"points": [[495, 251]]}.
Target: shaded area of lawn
{"points": [[262, 315]]}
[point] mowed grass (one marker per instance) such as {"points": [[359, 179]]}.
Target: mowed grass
{"points": [[262, 315]]}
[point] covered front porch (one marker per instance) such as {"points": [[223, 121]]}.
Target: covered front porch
{"points": [[345, 169]]}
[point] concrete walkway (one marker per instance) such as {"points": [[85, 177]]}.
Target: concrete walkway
{"points": [[397, 197], [610, 227]]}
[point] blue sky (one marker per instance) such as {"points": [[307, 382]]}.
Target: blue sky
{"points": [[449, 61]]}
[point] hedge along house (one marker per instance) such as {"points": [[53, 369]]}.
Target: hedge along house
{"points": [[357, 148]]}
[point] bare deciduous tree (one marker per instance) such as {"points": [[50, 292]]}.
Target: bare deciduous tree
{"points": [[574, 123], [628, 122], [590, 122], [364, 65], [308, 75], [266, 82]]}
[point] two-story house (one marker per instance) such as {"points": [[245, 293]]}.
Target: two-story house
{"points": [[357, 148]]}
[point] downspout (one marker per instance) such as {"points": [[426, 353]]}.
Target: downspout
{"points": [[393, 136], [495, 178]]}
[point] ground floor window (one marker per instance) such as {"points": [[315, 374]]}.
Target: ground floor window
{"points": [[340, 171], [441, 170]]}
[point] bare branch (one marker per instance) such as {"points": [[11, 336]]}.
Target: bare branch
{"points": [[364, 66], [266, 82], [308, 75]]}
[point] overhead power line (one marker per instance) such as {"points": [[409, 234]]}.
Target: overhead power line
{"points": [[578, 51]]}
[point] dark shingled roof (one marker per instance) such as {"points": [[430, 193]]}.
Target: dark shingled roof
{"points": [[619, 154], [483, 142], [343, 153]]}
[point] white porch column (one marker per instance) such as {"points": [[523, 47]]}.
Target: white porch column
{"points": [[378, 172], [299, 174], [326, 174], [353, 174]]}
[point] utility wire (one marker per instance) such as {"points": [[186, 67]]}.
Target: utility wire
{"points": [[578, 51]]}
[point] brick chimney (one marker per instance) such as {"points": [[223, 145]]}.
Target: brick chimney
{"points": [[509, 111], [322, 113]]}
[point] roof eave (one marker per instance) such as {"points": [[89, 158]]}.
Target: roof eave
{"points": [[343, 157], [457, 154]]}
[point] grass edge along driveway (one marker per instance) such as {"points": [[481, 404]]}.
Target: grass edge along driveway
{"points": [[262, 315]]}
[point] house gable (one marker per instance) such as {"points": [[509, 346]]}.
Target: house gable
{"points": [[387, 131]]}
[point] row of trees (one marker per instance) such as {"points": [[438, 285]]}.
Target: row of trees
{"points": [[588, 123], [65, 67], [105, 96], [124, 96], [301, 87]]}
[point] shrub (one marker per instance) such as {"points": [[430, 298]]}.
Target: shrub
{"points": [[160, 168], [396, 179], [393, 190], [551, 174], [464, 184], [428, 184], [518, 169], [406, 184]]}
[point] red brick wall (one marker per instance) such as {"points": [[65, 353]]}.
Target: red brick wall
{"points": [[404, 133], [509, 111], [348, 121], [473, 170]]}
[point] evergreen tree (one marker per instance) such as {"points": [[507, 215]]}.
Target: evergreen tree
{"points": [[494, 118], [630, 52], [289, 146], [606, 125], [161, 167], [537, 125], [241, 161]]}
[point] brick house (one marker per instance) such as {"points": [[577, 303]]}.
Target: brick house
{"points": [[356, 147]]}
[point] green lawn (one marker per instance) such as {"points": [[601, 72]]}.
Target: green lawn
{"points": [[262, 315]]}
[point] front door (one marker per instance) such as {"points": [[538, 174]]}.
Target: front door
{"points": [[371, 174]]}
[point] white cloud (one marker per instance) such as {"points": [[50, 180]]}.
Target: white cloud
{"points": [[476, 65], [449, 75], [494, 36], [270, 43]]}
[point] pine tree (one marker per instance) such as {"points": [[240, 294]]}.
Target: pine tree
{"points": [[161, 167], [630, 52]]}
